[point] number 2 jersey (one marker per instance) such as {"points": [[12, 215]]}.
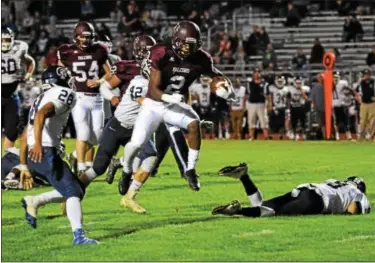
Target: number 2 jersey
{"points": [[84, 64], [128, 109], [338, 195], [63, 100]]}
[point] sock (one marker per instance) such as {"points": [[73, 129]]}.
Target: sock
{"points": [[49, 197], [10, 176], [135, 185], [130, 151], [74, 212], [255, 199], [250, 211], [81, 166], [192, 159], [88, 164], [90, 176], [136, 164], [74, 154], [249, 186]]}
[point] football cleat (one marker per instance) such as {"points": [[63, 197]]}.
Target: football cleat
{"points": [[124, 183], [72, 162], [112, 170], [230, 209], [129, 202], [80, 239], [193, 180], [234, 171], [12, 184], [31, 210]]}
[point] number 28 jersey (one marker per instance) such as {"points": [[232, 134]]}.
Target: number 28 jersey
{"points": [[63, 100], [338, 195], [128, 109], [83, 64]]}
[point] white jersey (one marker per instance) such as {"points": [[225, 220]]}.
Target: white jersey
{"points": [[238, 103], [342, 94], [128, 109], [296, 96], [338, 195], [279, 96], [204, 94], [29, 95], [64, 100], [12, 68]]}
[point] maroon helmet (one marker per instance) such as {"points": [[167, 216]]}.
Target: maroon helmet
{"points": [[83, 34], [142, 45], [186, 39]]}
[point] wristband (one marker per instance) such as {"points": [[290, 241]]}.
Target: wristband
{"points": [[101, 81]]}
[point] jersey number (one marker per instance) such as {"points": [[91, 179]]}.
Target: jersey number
{"points": [[176, 83], [135, 92], [64, 98], [337, 184], [8, 66], [34, 109], [79, 69]]}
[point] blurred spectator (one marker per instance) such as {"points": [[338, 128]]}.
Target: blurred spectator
{"points": [[42, 43], [103, 30], [20, 8], [117, 13], [269, 58], [252, 42], [27, 23], [263, 39], [292, 18], [195, 17], [51, 58], [342, 7], [130, 21], [37, 22], [354, 30], [299, 61], [234, 39], [207, 21], [160, 11], [345, 30], [240, 62], [87, 10], [227, 59], [370, 60], [5, 12], [277, 9], [148, 23], [51, 12], [317, 52], [225, 44], [62, 39]]}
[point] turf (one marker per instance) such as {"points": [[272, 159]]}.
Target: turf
{"points": [[178, 225]]}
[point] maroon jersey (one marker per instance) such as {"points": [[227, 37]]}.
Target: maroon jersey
{"points": [[126, 70], [84, 64], [177, 74]]}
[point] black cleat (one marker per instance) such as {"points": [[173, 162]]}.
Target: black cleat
{"points": [[193, 180], [124, 183], [72, 162], [112, 170], [230, 209]]}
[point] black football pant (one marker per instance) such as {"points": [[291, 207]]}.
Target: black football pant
{"points": [[298, 114], [173, 137], [10, 117]]}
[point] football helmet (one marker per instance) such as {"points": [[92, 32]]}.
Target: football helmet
{"points": [[142, 45], [83, 34], [55, 75], [186, 39], [280, 81], [361, 185], [298, 82], [7, 39]]}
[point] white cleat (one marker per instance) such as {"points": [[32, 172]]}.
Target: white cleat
{"points": [[129, 202], [31, 210]]}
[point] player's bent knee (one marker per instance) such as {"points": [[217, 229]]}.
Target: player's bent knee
{"points": [[101, 162], [11, 134]]}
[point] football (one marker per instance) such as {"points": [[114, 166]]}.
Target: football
{"points": [[217, 82]]}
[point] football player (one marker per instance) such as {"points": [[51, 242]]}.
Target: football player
{"points": [[296, 99], [86, 60], [329, 197], [14, 57], [278, 93], [238, 108], [173, 69], [39, 154], [28, 94]]}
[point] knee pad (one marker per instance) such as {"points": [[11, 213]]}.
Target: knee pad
{"points": [[11, 133], [101, 162]]}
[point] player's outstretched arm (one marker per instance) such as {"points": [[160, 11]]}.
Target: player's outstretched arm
{"points": [[48, 110], [30, 67], [105, 89]]}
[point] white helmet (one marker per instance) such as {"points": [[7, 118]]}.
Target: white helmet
{"points": [[7, 39]]}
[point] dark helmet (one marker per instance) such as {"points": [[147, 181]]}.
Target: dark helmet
{"points": [[107, 42], [55, 75], [186, 39], [280, 81], [7, 39], [83, 34], [142, 45], [298, 80], [336, 77], [361, 185]]}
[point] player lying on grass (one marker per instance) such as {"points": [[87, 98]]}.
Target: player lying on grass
{"points": [[11, 169], [329, 197], [39, 154]]}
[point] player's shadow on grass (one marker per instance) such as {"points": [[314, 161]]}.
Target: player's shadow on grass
{"points": [[119, 232]]}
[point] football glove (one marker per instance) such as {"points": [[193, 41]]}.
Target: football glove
{"points": [[230, 209], [234, 171]]}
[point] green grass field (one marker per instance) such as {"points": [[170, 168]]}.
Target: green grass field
{"points": [[178, 225]]}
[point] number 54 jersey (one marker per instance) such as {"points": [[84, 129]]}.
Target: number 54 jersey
{"points": [[63, 100], [127, 111]]}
